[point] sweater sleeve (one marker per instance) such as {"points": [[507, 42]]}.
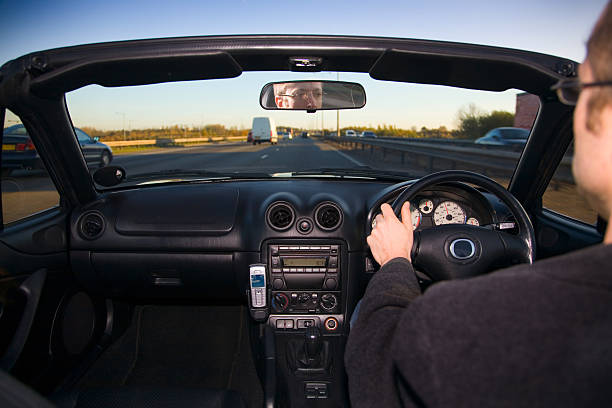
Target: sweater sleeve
{"points": [[369, 362]]}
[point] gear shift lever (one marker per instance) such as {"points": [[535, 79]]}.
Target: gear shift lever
{"points": [[313, 343]]}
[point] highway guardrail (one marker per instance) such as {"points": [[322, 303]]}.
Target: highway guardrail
{"points": [[169, 141], [490, 159]]}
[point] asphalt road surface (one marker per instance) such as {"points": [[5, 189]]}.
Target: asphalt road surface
{"points": [[288, 155]]}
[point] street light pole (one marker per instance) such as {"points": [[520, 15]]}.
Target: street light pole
{"points": [[122, 114], [338, 112]]}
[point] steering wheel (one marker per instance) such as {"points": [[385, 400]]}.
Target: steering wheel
{"points": [[454, 251]]}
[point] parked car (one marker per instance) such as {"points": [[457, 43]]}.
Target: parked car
{"points": [[504, 136], [19, 152], [369, 134], [222, 274]]}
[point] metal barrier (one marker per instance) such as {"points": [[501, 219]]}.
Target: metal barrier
{"points": [[487, 158], [173, 141]]}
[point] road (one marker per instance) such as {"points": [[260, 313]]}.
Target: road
{"points": [[290, 155]]}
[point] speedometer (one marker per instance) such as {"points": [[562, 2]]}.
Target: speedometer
{"points": [[449, 212]]}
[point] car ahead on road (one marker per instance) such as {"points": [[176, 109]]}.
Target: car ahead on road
{"points": [[369, 134], [350, 133], [233, 273], [264, 130], [285, 135], [19, 152], [504, 136]]}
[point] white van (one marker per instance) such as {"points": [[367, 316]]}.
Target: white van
{"points": [[264, 130], [350, 133]]}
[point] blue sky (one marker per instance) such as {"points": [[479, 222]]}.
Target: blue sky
{"points": [[555, 27]]}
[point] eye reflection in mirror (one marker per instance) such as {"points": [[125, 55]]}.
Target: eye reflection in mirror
{"points": [[312, 95]]}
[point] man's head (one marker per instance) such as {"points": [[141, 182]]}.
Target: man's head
{"points": [[299, 95], [592, 166]]}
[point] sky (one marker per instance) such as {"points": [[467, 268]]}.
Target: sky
{"points": [[557, 27]]}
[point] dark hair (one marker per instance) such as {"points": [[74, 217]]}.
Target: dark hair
{"points": [[599, 56]]}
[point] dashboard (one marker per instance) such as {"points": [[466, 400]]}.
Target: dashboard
{"points": [[197, 240]]}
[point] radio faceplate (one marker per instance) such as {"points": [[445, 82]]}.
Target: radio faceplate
{"points": [[304, 267]]}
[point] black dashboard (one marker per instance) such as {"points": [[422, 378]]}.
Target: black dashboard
{"points": [[197, 240]]}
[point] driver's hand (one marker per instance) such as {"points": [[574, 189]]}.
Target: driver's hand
{"points": [[391, 238]]}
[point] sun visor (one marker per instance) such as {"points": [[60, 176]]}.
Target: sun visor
{"points": [[136, 70], [461, 71]]}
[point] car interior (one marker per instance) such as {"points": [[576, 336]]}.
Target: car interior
{"points": [[236, 289]]}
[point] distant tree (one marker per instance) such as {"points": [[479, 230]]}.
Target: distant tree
{"points": [[494, 120], [473, 123]]}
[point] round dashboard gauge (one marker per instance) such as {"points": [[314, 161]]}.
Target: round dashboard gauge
{"points": [[416, 216], [449, 212], [472, 221], [426, 206]]}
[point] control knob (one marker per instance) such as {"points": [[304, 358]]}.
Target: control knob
{"points": [[280, 301], [328, 301]]}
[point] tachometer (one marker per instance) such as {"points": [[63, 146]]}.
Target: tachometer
{"points": [[426, 206], [449, 212], [415, 215]]}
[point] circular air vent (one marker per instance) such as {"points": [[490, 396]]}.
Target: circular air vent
{"points": [[328, 216], [91, 225], [280, 216]]}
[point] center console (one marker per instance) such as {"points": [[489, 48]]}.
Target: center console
{"points": [[305, 314]]}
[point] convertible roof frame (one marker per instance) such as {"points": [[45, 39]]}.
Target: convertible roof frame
{"points": [[57, 71], [33, 86]]}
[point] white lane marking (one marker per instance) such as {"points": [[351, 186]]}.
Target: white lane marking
{"points": [[346, 156], [277, 149], [264, 156]]}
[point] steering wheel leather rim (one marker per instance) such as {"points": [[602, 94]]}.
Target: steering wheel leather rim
{"points": [[518, 248]]}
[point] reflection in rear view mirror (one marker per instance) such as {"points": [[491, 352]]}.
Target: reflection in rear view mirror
{"points": [[312, 95]]}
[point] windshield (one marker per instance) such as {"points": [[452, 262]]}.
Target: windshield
{"points": [[217, 127]]}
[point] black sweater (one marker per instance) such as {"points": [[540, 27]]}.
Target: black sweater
{"points": [[527, 336]]}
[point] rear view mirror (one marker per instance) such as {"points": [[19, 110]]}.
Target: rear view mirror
{"points": [[312, 95]]}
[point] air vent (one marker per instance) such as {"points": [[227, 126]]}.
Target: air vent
{"points": [[91, 225], [328, 216], [280, 216]]}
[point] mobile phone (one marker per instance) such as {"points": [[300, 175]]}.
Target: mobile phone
{"points": [[257, 274]]}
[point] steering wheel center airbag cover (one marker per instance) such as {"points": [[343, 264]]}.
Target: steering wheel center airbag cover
{"points": [[462, 248]]}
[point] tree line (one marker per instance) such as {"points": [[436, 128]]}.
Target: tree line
{"points": [[472, 123]]}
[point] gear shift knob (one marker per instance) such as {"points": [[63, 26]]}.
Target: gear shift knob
{"points": [[313, 342]]}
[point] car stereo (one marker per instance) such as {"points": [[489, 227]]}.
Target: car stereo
{"points": [[304, 279], [304, 267]]}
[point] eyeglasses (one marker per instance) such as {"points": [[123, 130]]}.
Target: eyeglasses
{"points": [[303, 94], [569, 89]]}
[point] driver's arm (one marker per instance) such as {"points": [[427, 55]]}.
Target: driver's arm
{"points": [[369, 362]]}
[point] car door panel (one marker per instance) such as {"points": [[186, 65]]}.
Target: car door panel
{"points": [[47, 323], [557, 234]]}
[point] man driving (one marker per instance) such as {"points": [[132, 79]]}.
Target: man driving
{"points": [[530, 335], [299, 95]]}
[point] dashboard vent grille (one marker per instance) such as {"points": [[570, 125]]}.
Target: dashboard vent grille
{"points": [[328, 216], [280, 216], [91, 225]]}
